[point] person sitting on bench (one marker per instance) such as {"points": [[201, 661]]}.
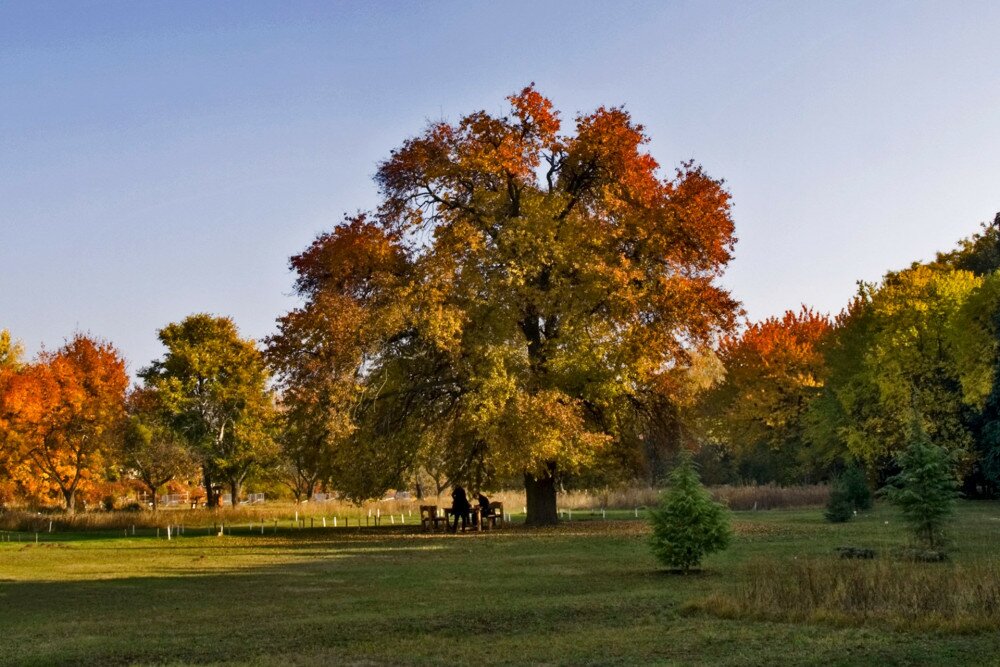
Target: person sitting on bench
{"points": [[460, 507], [484, 508]]}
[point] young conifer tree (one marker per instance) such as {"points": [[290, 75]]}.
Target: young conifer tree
{"points": [[925, 489], [849, 495], [688, 524]]}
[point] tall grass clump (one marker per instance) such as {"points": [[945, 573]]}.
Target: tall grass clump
{"points": [[905, 596]]}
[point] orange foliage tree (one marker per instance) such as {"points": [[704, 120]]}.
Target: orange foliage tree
{"points": [[773, 370], [10, 361], [512, 304], [64, 414]]}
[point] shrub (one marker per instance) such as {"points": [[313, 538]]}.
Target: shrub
{"points": [[924, 490], [688, 524], [840, 508], [850, 494], [856, 489]]}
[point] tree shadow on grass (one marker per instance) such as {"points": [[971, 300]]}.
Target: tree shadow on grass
{"points": [[350, 608]]}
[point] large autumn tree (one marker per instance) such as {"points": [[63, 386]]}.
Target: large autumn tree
{"points": [[64, 413], [518, 301], [213, 385]]}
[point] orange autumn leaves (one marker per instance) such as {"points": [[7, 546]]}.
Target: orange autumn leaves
{"points": [[773, 370], [60, 417]]}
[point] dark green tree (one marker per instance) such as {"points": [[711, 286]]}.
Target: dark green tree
{"points": [[925, 489], [849, 494], [688, 524]]}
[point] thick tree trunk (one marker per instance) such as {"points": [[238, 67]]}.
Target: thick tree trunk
{"points": [[211, 499], [541, 496], [152, 491], [70, 496], [234, 491]]}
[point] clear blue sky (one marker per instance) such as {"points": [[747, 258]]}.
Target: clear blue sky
{"points": [[164, 158]]}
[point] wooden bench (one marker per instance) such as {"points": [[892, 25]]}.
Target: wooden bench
{"points": [[429, 518]]}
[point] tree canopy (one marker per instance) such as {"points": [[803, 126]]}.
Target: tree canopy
{"points": [[63, 415], [773, 370], [213, 384], [516, 301]]}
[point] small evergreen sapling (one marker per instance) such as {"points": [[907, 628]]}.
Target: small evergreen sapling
{"points": [[839, 509], [848, 495], [688, 524], [924, 490]]}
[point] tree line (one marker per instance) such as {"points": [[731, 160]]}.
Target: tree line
{"points": [[804, 395], [525, 306]]}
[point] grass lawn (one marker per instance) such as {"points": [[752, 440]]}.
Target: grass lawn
{"points": [[587, 592]]}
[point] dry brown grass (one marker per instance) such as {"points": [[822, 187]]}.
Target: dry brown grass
{"points": [[393, 511], [740, 497], [771, 496], [390, 512], [904, 596]]}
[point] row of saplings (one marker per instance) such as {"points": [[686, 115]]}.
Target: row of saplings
{"points": [[688, 524]]}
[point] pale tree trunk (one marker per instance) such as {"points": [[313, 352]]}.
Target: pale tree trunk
{"points": [[70, 496]]}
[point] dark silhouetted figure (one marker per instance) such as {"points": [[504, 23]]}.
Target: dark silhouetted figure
{"points": [[460, 507], [484, 508]]}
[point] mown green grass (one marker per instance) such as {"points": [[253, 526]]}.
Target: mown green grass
{"points": [[587, 592]]}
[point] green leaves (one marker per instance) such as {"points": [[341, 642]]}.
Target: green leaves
{"points": [[213, 385], [895, 350]]}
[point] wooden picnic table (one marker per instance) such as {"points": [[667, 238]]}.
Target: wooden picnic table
{"points": [[493, 518]]}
